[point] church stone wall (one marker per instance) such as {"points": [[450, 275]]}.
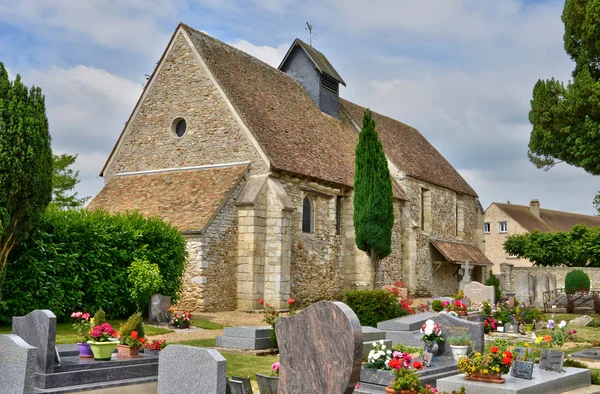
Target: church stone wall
{"points": [[183, 88]]}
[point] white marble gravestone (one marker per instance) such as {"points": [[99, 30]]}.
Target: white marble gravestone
{"points": [[477, 292]]}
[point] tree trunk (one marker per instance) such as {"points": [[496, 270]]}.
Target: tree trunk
{"points": [[374, 267]]}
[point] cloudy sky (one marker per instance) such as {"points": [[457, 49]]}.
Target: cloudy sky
{"points": [[461, 71]]}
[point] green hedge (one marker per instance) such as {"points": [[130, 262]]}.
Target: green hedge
{"points": [[374, 306], [78, 260], [577, 280]]}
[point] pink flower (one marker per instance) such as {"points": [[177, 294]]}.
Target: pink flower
{"points": [[275, 367], [86, 316], [357, 386]]}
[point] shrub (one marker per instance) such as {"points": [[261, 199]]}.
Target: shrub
{"points": [[78, 260], [99, 318], [132, 324], [144, 279], [577, 280], [373, 306], [492, 280], [437, 306], [460, 340]]}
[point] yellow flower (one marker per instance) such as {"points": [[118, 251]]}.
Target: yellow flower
{"points": [[539, 340], [485, 371], [478, 354], [527, 345]]}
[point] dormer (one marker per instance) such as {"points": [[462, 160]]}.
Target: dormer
{"points": [[316, 75]]}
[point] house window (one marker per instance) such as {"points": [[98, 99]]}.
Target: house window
{"points": [[425, 210], [338, 215], [308, 214], [503, 227], [486, 228], [179, 127]]}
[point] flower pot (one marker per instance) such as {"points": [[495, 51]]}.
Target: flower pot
{"points": [[529, 327], [431, 347], [126, 352], [390, 390], [462, 313], [267, 384], [103, 350], [486, 377], [459, 351], [84, 350], [184, 325]]}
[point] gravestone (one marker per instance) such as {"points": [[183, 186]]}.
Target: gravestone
{"points": [[522, 369], [479, 293], [542, 285], [188, 369], [466, 277], [452, 326], [522, 288], [320, 350], [406, 323], [245, 382], [581, 321], [523, 354], [235, 387], [38, 329], [16, 365], [159, 308], [552, 360]]}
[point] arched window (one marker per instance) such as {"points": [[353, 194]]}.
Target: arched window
{"points": [[307, 216]]}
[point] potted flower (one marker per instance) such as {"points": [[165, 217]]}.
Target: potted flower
{"points": [[458, 307], [432, 335], [529, 314], [487, 367], [489, 325], [406, 380], [82, 326], [103, 342], [268, 384], [460, 346], [131, 337], [155, 346], [181, 319]]}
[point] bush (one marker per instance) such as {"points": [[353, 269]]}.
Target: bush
{"points": [[99, 318], [78, 260], [373, 306], [144, 279], [577, 280], [437, 306], [134, 323], [492, 280]]}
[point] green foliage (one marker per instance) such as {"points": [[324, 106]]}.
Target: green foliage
{"points": [[492, 280], [99, 318], [576, 280], [530, 314], [437, 306], [78, 260], [373, 198], [144, 280], [460, 340], [25, 162], [486, 310], [596, 376], [64, 180], [400, 347], [132, 324], [566, 119], [373, 306], [406, 379]]}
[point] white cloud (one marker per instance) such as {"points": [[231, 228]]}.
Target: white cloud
{"points": [[268, 54]]}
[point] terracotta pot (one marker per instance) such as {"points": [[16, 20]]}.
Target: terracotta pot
{"points": [[462, 313], [390, 390], [125, 352], [491, 376]]}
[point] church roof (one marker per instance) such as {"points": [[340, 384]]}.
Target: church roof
{"points": [[187, 198], [319, 60], [549, 220], [460, 252]]}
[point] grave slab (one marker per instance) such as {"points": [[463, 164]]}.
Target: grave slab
{"points": [[320, 350], [188, 369], [372, 334], [542, 382], [251, 338], [406, 323], [38, 329], [17, 365], [590, 354]]}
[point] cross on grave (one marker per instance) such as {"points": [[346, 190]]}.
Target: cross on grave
{"points": [[466, 274]]}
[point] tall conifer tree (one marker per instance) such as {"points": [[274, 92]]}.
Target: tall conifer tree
{"points": [[25, 162], [373, 199]]}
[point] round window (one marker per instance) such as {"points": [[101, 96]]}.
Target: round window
{"points": [[179, 127]]}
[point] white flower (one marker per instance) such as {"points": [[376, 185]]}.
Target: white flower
{"points": [[428, 330], [374, 344], [388, 352], [562, 324], [382, 347], [371, 353], [381, 341]]}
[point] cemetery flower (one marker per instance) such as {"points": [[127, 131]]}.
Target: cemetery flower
{"points": [[487, 363], [550, 324], [82, 325], [275, 368], [180, 318], [103, 333], [133, 340], [432, 332], [562, 324], [378, 357], [157, 344]]}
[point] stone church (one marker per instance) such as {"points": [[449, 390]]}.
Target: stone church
{"points": [[255, 165]]}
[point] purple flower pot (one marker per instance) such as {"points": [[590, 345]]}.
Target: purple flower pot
{"points": [[84, 350]]}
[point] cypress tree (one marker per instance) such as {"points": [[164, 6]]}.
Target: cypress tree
{"points": [[25, 162], [373, 199]]}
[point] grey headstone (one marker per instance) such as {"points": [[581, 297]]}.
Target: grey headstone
{"points": [[552, 281], [159, 308], [542, 285], [248, 332], [523, 354], [188, 369], [320, 350], [235, 387], [552, 360], [479, 293], [453, 326], [406, 323], [16, 365], [522, 369], [372, 334], [581, 321], [38, 329], [522, 288], [245, 382]]}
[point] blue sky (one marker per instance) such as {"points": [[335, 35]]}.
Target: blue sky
{"points": [[461, 71]]}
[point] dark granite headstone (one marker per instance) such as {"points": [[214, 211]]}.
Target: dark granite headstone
{"points": [[522, 369], [552, 360], [38, 329], [16, 365], [159, 307], [320, 350], [245, 382], [522, 354], [427, 357], [188, 369], [235, 387], [453, 326], [406, 323]]}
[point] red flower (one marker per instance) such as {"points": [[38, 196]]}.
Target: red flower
{"points": [[261, 301], [417, 365], [394, 364], [494, 349], [506, 360], [291, 301], [143, 340], [134, 335]]}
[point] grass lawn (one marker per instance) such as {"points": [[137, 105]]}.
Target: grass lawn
{"points": [[65, 333], [208, 325]]}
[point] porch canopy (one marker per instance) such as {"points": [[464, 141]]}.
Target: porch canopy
{"points": [[461, 252]]}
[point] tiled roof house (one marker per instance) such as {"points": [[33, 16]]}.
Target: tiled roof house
{"points": [[255, 166], [504, 219]]}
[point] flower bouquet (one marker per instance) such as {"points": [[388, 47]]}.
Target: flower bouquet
{"points": [[156, 345], [487, 367], [82, 326], [432, 334], [181, 319], [458, 307]]}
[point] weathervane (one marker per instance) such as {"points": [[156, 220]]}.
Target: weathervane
{"points": [[309, 27]]}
